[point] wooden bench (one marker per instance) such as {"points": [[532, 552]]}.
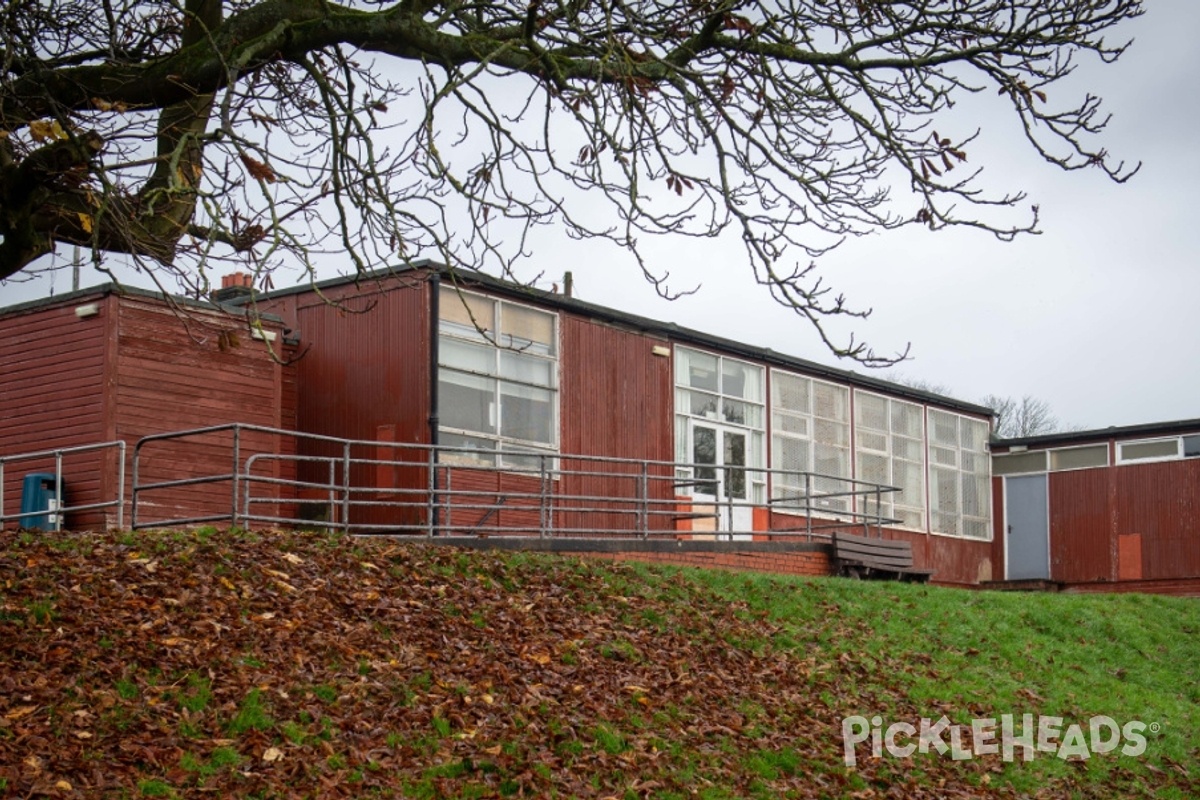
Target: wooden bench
{"points": [[878, 559]]}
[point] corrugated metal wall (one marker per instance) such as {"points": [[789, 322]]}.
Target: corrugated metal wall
{"points": [[52, 396]]}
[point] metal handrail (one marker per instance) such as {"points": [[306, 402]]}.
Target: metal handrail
{"points": [[61, 510], [555, 487]]}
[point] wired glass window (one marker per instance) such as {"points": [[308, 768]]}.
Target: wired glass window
{"points": [[497, 379], [889, 438], [959, 476], [810, 433]]}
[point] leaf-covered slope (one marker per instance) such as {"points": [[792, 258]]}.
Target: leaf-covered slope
{"points": [[283, 665]]}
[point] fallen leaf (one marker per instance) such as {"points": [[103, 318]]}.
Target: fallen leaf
{"points": [[272, 754]]}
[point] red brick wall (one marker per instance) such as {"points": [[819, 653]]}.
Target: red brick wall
{"points": [[806, 563]]}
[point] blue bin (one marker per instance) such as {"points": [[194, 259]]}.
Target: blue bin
{"points": [[38, 499]]}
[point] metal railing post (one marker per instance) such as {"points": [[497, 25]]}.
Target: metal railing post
{"points": [[431, 499], [346, 488], [120, 486], [543, 509], [58, 494], [2, 484], [808, 506], [237, 457], [644, 496]]}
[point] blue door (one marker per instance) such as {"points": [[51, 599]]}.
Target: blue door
{"points": [[1027, 516]]}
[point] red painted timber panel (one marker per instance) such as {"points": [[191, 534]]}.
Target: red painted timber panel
{"points": [[1160, 501], [172, 374], [365, 367], [52, 396], [1082, 542], [616, 400]]}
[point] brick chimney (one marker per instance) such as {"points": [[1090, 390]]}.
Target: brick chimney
{"points": [[234, 287]]}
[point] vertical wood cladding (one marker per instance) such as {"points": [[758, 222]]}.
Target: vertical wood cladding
{"points": [[52, 365], [1082, 542], [616, 400], [364, 374]]}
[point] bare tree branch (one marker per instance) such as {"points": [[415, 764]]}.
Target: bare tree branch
{"points": [[184, 134]]}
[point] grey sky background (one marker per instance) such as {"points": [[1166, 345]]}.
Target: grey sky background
{"points": [[1095, 316]]}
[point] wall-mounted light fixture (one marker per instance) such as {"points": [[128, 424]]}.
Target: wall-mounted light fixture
{"points": [[659, 350], [262, 335], [87, 310]]}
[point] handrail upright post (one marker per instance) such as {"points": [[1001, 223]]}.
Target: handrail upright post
{"points": [[237, 457], [58, 496], [543, 510], [2, 492], [644, 492], [346, 488], [120, 485], [808, 505], [431, 501]]}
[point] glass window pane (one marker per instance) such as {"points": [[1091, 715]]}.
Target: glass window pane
{"points": [[1191, 446], [526, 368], [467, 356], [1079, 457], [742, 413], [704, 451], [907, 420], [871, 411], [741, 380], [527, 328], [790, 392], [790, 454], [790, 423], [831, 402], [466, 401], [1158, 448], [527, 413], [697, 404], [467, 313], [735, 456], [1016, 463], [469, 449], [698, 370], [831, 433], [943, 428]]}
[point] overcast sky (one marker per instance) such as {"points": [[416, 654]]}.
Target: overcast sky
{"points": [[1096, 316]]}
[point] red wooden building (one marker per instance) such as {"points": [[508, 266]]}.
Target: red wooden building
{"points": [[108, 365], [725, 436], [1109, 510]]}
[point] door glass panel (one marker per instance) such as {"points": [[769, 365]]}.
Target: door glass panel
{"points": [[704, 451], [735, 456]]}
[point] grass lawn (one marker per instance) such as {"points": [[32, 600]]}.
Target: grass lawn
{"points": [[217, 663]]}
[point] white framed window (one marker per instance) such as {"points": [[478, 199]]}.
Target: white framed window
{"points": [[1019, 462], [1082, 457], [959, 476], [725, 392], [810, 433], [497, 379], [1150, 450], [889, 448]]}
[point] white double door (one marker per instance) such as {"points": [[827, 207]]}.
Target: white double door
{"points": [[720, 481]]}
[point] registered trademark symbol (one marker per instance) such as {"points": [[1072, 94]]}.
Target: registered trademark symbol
{"points": [[1155, 727]]}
